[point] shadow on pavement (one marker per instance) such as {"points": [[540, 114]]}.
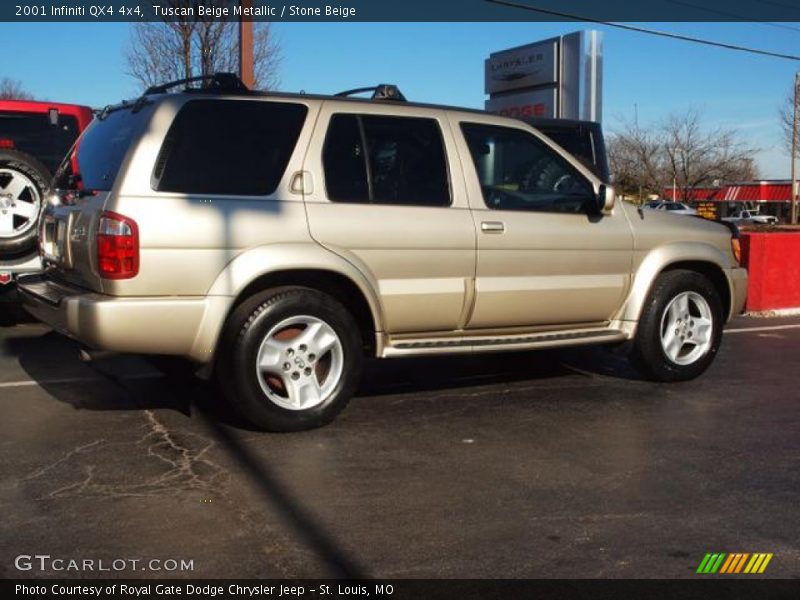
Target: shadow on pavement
{"points": [[410, 375], [118, 383]]}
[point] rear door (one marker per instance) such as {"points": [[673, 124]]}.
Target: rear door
{"points": [[388, 201]]}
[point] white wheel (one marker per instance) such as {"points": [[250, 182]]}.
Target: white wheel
{"points": [[680, 328], [20, 202], [686, 328], [290, 358], [300, 362]]}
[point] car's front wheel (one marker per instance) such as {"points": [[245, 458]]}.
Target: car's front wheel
{"points": [[290, 359], [680, 329]]}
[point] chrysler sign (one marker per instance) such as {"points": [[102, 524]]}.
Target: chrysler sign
{"points": [[527, 66], [557, 78]]}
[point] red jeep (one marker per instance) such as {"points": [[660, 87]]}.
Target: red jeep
{"points": [[34, 138]]}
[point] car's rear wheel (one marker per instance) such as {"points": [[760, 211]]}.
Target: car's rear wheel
{"points": [[24, 182], [680, 330], [290, 359]]}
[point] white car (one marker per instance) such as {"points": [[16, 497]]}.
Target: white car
{"points": [[751, 217], [676, 208]]}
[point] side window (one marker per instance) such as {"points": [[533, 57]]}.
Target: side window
{"points": [[343, 159], [517, 171], [386, 160], [233, 147]]}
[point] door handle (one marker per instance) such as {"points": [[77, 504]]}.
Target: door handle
{"points": [[493, 227]]}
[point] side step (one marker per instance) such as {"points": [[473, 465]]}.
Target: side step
{"points": [[451, 345]]}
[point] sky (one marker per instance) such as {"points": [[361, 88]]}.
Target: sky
{"points": [[443, 63]]}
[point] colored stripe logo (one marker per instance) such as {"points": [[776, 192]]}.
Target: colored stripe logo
{"points": [[734, 563]]}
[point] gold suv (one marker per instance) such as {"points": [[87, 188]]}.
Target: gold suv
{"points": [[280, 239]]}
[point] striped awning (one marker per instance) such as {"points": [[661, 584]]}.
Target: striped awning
{"points": [[757, 191]]}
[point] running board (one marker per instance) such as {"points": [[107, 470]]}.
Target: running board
{"points": [[450, 345]]}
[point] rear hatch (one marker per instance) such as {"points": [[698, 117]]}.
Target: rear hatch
{"points": [[83, 183]]}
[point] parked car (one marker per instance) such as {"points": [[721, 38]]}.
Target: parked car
{"points": [[583, 139], [676, 208], [751, 217], [34, 138], [277, 240]]}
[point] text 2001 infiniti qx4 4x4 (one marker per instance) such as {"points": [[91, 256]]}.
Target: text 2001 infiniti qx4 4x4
{"points": [[280, 239]]}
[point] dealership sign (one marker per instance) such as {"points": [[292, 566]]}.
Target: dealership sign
{"points": [[534, 103], [557, 78], [532, 65]]}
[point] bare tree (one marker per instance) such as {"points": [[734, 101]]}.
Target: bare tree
{"points": [[679, 150], [786, 116], [169, 50], [637, 160], [11, 89]]}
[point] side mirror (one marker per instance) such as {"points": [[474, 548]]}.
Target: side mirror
{"points": [[605, 199]]}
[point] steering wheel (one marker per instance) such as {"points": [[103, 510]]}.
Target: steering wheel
{"points": [[563, 184]]}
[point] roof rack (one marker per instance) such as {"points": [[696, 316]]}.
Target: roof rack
{"points": [[382, 91], [219, 82]]}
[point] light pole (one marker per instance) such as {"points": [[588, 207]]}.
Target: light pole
{"points": [[246, 46], [675, 174]]}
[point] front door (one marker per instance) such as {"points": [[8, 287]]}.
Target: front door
{"points": [[543, 257]]}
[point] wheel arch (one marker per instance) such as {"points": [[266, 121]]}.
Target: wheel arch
{"points": [[301, 265], [333, 283], [698, 257]]}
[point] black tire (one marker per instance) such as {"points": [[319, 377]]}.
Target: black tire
{"points": [[648, 354], [12, 160], [247, 327]]}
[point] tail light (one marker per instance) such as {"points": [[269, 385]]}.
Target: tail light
{"points": [[117, 246], [6, 144]]}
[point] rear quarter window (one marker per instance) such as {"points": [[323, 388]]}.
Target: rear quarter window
{"points": [[228, 147]]}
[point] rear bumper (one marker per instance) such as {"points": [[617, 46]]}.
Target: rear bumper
{"points": [[737, 279], [185, 327]]}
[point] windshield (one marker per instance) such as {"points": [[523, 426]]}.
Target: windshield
{"points": [[98, 153]]}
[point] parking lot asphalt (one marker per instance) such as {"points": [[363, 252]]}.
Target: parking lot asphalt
{"points": [[526, 465]]}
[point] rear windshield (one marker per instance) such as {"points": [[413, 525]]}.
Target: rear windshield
{"points": [[34, 134], [228, 147], [99, 152]]}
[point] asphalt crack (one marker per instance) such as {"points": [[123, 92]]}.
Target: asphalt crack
{"points": [[42, 470], [177, 463]]}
